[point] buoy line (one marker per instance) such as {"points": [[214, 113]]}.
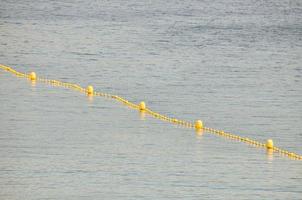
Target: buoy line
{"points": [[141, 107]]}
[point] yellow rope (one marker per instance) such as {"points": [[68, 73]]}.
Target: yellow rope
{"points": [[198, 124]]}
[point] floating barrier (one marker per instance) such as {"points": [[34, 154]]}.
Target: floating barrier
{"points": [[198, 125]]}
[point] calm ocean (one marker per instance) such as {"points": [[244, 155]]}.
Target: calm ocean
{"points": [[235, 64]]}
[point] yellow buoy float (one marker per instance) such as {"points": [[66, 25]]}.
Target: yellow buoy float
{"points": [[269, 144], [198, 125], [142, 106], [32, 76], [90, 90]]}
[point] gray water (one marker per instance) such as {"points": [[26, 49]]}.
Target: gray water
{"points": [[234, 64]]}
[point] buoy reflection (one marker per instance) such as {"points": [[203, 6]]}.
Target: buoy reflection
{"points": [[142, 114], [270, 154]]}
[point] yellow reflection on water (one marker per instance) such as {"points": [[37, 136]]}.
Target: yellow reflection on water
{"points": [[199, 133], [90, 98], [142, 114], [270, 154], [33, 83]]}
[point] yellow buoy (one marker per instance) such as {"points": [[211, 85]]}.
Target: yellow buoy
{"points": [[32, 76], [90, 90], [198, 125], [269, 144], [142, 105]]}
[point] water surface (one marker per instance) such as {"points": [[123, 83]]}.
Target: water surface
{"points": [[235, 65]]}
